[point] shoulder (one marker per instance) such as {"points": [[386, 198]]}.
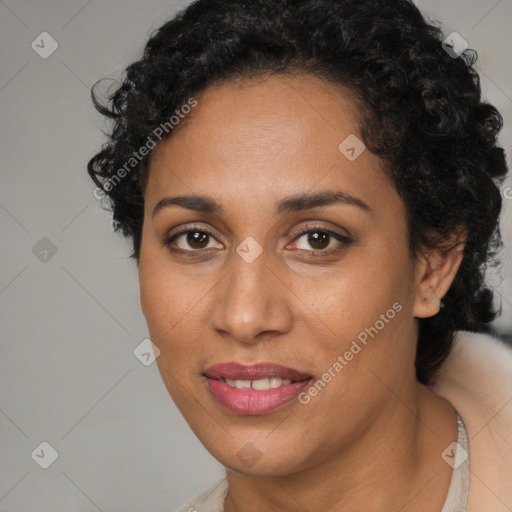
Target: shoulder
{"points": [[479, 368], [211, 500], [476, 379]]}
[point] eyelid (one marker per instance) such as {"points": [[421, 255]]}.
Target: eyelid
{"points": [[342, 239], [188, 227], [315, 226]]}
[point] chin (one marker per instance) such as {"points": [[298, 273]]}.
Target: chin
{"points": [[256, 458]]}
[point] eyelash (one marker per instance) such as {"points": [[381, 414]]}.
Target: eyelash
{"points": [[344, 240]]}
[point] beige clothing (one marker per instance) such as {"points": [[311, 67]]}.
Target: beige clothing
{"points": [[477, 380]]}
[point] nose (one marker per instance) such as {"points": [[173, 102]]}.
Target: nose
{"points": [[251, 302]]}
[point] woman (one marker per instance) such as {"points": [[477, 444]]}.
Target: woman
{"points": [[311, 188]]}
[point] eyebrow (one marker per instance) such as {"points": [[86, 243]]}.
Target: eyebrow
{"points": [[299, 202]]}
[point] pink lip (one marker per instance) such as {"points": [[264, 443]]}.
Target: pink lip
{"points": [[238, 371], [250, 401]]}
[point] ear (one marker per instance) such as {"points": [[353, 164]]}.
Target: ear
{"points": [[435, 272]]}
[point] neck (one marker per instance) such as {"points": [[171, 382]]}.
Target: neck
{"points": [[395, 464]]}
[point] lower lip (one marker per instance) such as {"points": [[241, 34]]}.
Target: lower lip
{"points": [[253, 402]]}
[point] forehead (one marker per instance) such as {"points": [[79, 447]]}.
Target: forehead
{"points": [[271, 112], [264, 136]]}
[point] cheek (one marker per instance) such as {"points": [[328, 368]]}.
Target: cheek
{"points": [[166, 292], [361, 312], [351, 296], [173, 304]]}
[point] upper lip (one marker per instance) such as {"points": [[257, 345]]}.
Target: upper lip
{"points": [[237, 371]]}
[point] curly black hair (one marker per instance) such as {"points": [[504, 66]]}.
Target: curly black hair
{"points": [[421, 112]]}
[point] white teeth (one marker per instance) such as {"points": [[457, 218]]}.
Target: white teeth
{"points": [[276, 382], [258, 384], [261, 384]]}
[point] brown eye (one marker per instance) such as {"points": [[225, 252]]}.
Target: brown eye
{"points": [[320, 241], [191, 240], [197, 239]]}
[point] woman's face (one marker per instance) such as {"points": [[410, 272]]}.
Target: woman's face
{"points": [[259, 163]]}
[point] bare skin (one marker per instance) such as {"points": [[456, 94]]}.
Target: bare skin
{"points": [[372, 439]]}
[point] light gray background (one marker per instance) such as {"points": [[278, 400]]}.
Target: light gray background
{"points": [[69, 325]]}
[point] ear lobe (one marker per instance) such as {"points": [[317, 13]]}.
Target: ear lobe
{"points": [[436, 271]]}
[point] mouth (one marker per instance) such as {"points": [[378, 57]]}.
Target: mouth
{"points": [[256, 389]]}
